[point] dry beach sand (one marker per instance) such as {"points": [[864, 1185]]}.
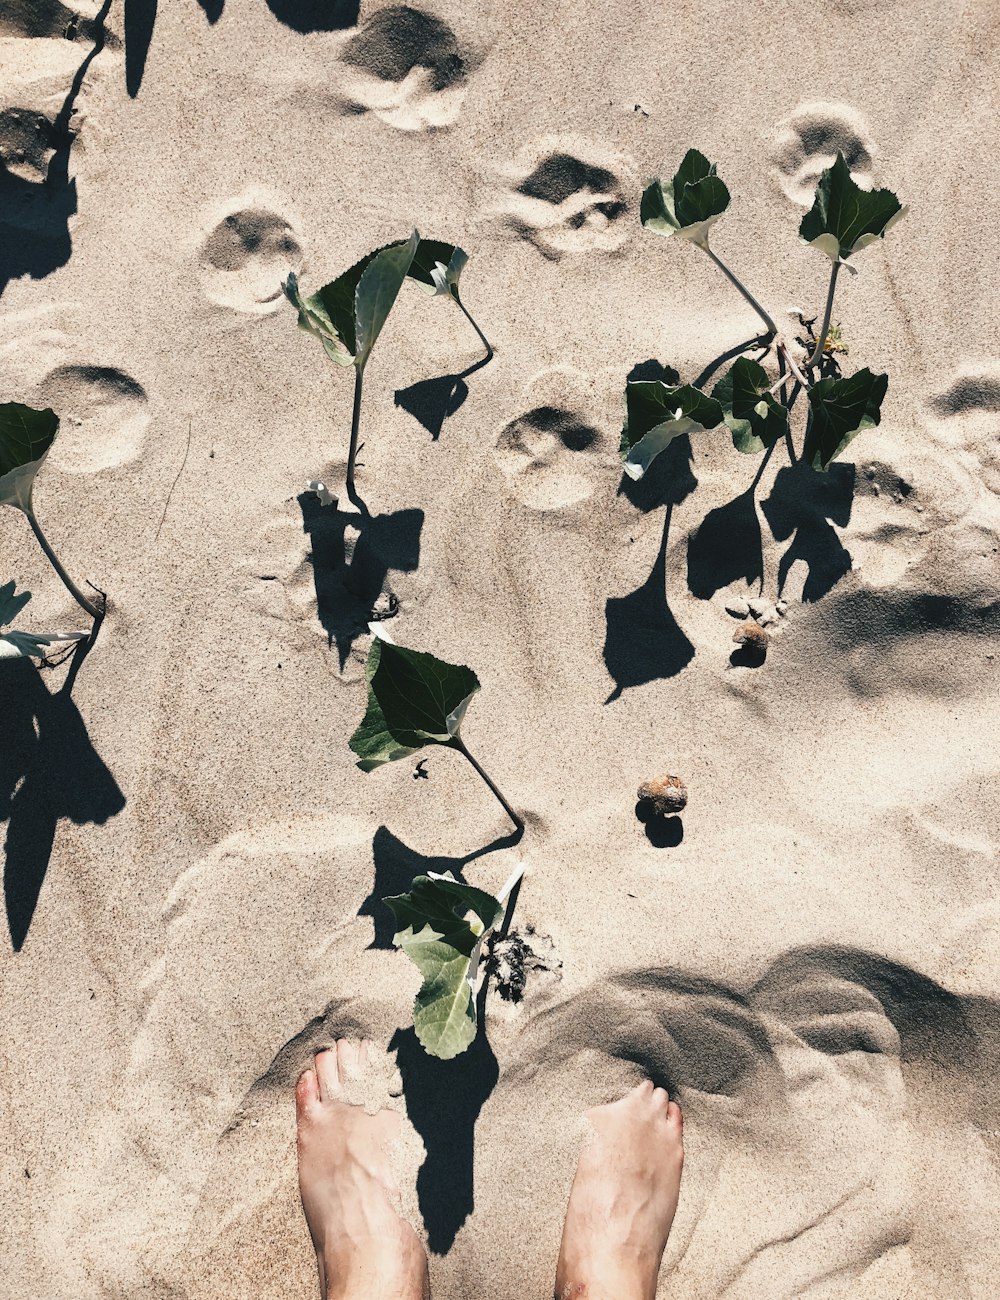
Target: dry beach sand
{"points": [[194, 863]]}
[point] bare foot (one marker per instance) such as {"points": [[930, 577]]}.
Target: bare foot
{"points": [[365, 1251], [623, 1199]]}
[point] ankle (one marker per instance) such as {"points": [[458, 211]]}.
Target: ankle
{"points": [[376, 1276], [614, 1275]]}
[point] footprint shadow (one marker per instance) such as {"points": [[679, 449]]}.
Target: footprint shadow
{"points": [[350, 573]]}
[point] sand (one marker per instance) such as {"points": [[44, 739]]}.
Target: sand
{"points": [[193, 862]]}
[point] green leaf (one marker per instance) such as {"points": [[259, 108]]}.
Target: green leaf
{"points": [[655, 414], [377, 290], [22, 645], [840, 409], [347, 314], [433, 931], [844, 218], [754, 416], [25, 438], [689, 204], [414, 699], [437, 267]]}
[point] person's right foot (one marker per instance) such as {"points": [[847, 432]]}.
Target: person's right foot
{"points": [[623, 1199], [365, 1251]]}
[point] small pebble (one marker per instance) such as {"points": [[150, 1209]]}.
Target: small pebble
{"points": [[753, 638], [781, 608], [667, 794], [758, 606], [738, 608]]}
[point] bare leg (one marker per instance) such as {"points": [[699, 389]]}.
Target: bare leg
{"points": [[364, 1250], [623, 1199]]}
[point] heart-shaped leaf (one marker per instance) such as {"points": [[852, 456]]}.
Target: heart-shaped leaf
{"points": [[437, 267], [752, 414], [656, 414], [23, 645], [414, 699], [844, 218], [433, 931], [25, 438], [347, 314], [840, 409], [689, 204]]}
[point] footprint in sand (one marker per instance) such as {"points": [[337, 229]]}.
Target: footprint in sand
{"points": [[555, 454], [569, 196], [248, 251], [27, 143], [47, 18], [103, 416], [807, 142], [966, 416], [47, 70], [407, 67]]}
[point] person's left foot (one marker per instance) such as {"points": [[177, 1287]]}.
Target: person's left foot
{"points": [[365, 1251]]}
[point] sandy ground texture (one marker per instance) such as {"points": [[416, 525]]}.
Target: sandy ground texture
{"points": [[193, 868]]}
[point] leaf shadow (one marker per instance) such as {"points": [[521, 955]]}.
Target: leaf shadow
{"points": [[49, 771], [643, 641], [306, 16], [34, 215], [350, 573], [443, 1098], [140, 20], [726, 547], [432, 401], [396, 867], [808, 503], [443, 1101]]}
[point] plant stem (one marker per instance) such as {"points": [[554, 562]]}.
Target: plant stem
{"points": [[352, 455], [821, 338], [468, 316], [793, 366], [772, 328], [512, 887], [460, 746], [93, 610]]}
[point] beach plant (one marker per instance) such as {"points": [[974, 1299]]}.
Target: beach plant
{"points": [[348, 314], [415, 699], [843, 220], [25, 645], [437, 268], [441, 925], [26, 435]]}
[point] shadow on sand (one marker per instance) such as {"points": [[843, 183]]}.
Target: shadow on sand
{"points": [[644, 642], [34, 215], [432, 401], [350, 571], [443, 1098], [49, 770]]}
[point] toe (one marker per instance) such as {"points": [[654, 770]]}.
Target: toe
{"points": [[348, 1059], [675, 1115], [328, 1074], [306, 1092], [662, 1099]]}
